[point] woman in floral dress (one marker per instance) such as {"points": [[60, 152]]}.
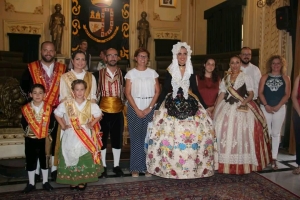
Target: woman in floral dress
{"points": [[181, 144]]}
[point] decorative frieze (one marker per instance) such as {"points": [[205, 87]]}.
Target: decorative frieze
{"points": [[167, 34]]}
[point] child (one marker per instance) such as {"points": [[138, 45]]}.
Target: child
{"points": [[37, 122], [79, 157]]}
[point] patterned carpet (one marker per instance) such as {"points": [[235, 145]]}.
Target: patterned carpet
{"points": [[220, 186]]}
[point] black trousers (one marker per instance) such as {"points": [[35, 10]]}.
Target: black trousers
{"points": [[296, 122], [112, 124], [34, 150], [53, 135]]}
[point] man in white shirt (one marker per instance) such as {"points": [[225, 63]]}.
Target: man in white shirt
{"points": [[110, 91], [250, 69]]}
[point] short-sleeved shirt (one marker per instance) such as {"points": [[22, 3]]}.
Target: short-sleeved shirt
{"points": [[142, 86]]}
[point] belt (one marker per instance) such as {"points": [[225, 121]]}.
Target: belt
{"points": [[144, 97]]}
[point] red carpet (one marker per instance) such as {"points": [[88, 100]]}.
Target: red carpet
{"points": [[220, 186]]}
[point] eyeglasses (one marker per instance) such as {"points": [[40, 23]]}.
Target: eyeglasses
{"points": [[143, 57], [112, 55], [246, 54]]}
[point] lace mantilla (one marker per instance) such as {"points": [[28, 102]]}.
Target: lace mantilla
{"points": [[177, 80]]}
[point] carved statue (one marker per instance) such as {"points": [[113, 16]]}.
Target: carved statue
{"points": [[56, 26], [144, 33], [11, 102]]}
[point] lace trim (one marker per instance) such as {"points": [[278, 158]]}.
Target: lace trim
{"points": [[275, 76], [177, 80]]}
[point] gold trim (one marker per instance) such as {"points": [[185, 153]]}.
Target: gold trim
{"points": [[39, 9], [178, 18], [22, 27], [156, 16], [165, 34], [96, 39]]}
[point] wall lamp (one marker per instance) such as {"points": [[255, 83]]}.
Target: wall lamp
{"points": [[262, 3]]}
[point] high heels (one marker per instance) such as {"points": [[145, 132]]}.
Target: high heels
{"points": [[82, 186], [296, 170], [72, 187], [274, 164]]}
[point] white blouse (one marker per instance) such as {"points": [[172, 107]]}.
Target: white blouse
{"points": [[239, 82], [60, 111], [142, 86], [64, 88], [71, 145]]}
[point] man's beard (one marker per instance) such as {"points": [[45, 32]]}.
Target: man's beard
{"points": [[245, 63], [47, 60], [110, 63]]}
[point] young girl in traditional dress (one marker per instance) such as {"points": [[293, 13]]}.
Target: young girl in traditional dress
{"points": [[37, 122], [79, 158]]}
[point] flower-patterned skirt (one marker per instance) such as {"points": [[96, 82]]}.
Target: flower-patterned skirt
{"points": [[182, 148]]}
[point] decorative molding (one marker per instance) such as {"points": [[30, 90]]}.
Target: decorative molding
{"points": [[25, 29], [156, 16], [18, 6], [167, 12], [10, 133], [22, 27], [167, 34], [284, 37], [178, 18], [271, 37]]}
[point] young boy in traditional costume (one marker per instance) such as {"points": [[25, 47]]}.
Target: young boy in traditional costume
{"points": [[37, 122], [79, 158]]}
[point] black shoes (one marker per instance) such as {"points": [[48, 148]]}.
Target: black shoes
{"points": [[118, 171], [47, 186], [104, 173], [29, 188], [54, 175]]}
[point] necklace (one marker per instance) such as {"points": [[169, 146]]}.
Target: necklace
{"points": [[181, 66]]}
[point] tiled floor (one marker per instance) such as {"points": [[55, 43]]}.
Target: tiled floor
{"points": [[283, 177]]}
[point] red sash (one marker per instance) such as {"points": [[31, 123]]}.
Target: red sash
{"points": [[40, 129], [53, 91], [93, 144]]}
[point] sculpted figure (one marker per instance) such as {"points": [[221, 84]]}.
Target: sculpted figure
{"points": [[144, 33], [56, 26], [11, 101]]}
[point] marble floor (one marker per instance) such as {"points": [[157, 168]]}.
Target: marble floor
{"points": [[283, 177]]}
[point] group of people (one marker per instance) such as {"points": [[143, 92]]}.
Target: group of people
{"points": [[200, 123], [63, 114]]}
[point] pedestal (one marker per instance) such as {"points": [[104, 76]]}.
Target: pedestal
{"points": [[12, 143], [60, 58]]}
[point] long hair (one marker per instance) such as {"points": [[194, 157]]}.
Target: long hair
{"points": [[215, 76], [283, 63]]}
